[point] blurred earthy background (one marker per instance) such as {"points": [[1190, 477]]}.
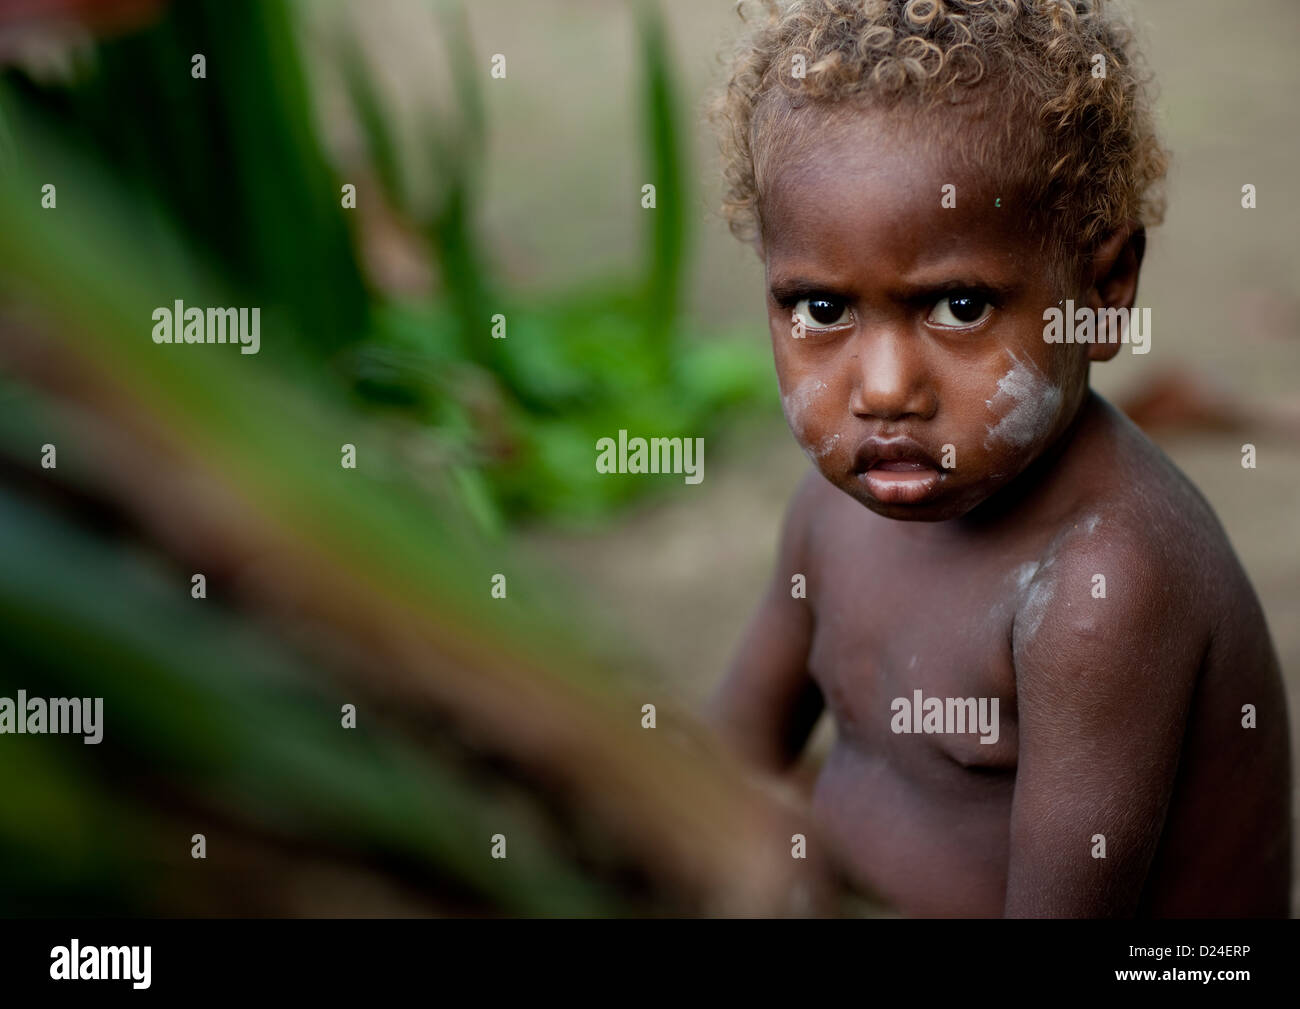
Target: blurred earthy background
{"points": [[475, 196]]}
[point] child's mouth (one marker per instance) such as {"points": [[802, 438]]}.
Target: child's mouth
{"points": [[896, 471], [900, 482], [900, 466]]}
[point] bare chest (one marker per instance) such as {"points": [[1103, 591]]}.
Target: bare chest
{"points": [[915, 663]]}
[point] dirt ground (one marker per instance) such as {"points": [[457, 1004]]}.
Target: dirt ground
{"points": [[681, 576]]}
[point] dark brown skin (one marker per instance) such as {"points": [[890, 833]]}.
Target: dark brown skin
{"points": [[1119, 716]]}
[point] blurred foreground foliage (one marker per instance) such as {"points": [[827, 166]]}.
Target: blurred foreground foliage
{"points": [[235, 161], [577, 365], [325, 586]]}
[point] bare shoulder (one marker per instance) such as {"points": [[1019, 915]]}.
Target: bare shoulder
{"points": [[1144, 499], [1138, 513], [1138, 565], [816, 510]]}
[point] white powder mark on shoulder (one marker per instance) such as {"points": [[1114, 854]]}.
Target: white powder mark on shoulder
{"points": [[1025, 574], [1036, 606]]}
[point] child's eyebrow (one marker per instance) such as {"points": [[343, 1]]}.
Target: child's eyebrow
{"points": [[787, 289], [971, 282]]}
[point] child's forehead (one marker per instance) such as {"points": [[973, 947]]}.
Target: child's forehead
{"points": [[892, 196], [833, 162]]}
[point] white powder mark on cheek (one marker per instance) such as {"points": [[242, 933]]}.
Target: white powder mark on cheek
{"points": [[827, 446], [1027, 402], [796, 405]]}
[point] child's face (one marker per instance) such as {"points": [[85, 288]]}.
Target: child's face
{"points": [[922, 382]]}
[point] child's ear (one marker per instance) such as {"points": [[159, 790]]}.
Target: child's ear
{"points": [[1116, 264]]}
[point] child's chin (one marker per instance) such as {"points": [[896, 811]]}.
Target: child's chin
{"points": [[931, 511]]}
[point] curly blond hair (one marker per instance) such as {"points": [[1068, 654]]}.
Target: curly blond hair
{"points": [[1079, 144]]}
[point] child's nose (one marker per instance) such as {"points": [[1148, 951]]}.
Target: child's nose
{"points": [[892, 379]]}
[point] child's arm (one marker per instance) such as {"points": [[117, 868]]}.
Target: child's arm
{"points": [[767, 703], [1104, 687]]}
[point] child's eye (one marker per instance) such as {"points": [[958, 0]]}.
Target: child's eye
{"points": [[822, 312], [957, 311]]}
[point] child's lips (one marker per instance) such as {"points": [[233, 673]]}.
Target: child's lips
{"points": [[901, 465], [896, 470], [889, 484]]}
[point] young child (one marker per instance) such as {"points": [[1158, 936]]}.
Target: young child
{"points": [[1052, 685]]}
